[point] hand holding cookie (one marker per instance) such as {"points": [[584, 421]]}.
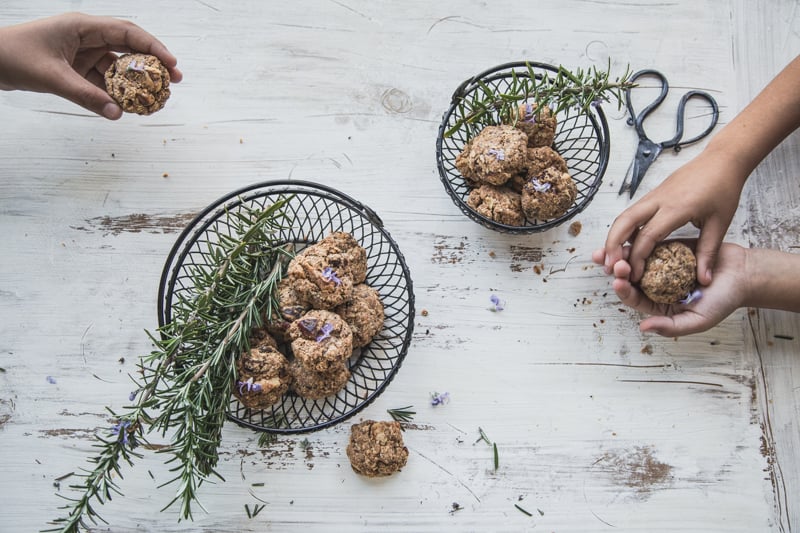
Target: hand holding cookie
{"points": [[68, 55]]}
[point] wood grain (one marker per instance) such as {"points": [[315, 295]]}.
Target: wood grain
{"points": [[598, 427]]}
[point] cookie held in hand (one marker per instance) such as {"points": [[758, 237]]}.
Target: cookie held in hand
{"points": [[670, 273], [139, 83]]}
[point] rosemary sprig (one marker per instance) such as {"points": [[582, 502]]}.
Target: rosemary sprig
{"points": [[402, 414], [187, 377], [579, 89]]}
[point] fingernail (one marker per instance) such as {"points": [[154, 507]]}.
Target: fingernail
{"points": [[607, 265], [111, 111], [708, 275]]}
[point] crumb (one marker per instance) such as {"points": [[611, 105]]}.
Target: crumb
{"points": [[571, 250], [241, 141], [424, 312], [647, 349], [575, 228], [492, 254], [165, 175], [537, 269]]}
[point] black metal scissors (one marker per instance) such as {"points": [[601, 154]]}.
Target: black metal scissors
{"points": [[648, 151]]}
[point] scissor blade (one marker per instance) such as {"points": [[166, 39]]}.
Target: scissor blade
{"points": [[646, 153], [626, 183]]}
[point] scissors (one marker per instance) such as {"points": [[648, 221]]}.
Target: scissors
{"points": [[647, 151]]}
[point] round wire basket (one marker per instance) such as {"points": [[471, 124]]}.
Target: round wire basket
{"points": [[313, 211], [582, 139]]}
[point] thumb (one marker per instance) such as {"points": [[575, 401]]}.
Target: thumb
{"points": [[707, 250], [82, 92]]}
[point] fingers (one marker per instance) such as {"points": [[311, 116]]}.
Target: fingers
{"points": [[599, 256], [707, 250], [86, 93], [684, 323], [124, 36], [623, 229]]}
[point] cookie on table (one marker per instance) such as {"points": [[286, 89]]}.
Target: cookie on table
{"points": [[313, 385], [539, 125], [139, 83], [363, 313], [500, 204], [376, 449], [321, 340], [549, 195], [262, 377], [494, 155], [670, 273]]}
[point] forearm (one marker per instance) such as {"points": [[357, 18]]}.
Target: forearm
{"points": [[763, 124], [773, 280]]}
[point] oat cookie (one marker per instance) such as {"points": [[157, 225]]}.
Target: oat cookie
{"points": [[669, 273], [494, 155], [316, 385], [497, 203], [139, 83], [321, 340], [549, 195], [324, 273], [541, 158], [262, 377], [363, 313], [290, 308], [376, 448], [540, 127]]}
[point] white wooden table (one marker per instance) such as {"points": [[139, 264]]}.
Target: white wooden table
{"points": [[598, 427]]}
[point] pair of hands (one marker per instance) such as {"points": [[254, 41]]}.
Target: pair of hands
{"points": [[704, 192], [68, 54]]}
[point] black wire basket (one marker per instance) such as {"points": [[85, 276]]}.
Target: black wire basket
{"points": [[314, 211], [582, 139]]}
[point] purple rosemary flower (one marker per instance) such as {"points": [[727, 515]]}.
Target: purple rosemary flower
{"points": [[500, 155], [248, 386], [325, 332], [439, 399], [122, 429], [308, 325], [693, 296], [530, 116], [133, 66], [539, 186], [497, 303], [329, 274], [132, 395], [51, 380]]}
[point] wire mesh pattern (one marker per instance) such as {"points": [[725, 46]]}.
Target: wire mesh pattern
{"points": [[581, 139], [313, 211]]}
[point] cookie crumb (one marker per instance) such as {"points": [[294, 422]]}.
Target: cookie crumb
{"points": [[575, 228], [424, 312]]}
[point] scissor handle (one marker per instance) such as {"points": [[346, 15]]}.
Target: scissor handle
{"points": [[637, 120], [676, 141]]}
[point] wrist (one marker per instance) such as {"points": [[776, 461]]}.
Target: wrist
{"points": [[771, 279]]}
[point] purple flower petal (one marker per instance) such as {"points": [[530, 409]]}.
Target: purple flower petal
{"points": [[439, 399], [500, 155], [329, 274], [692, 297], [498, 304], [539, 186], [51, 380], [325, 332]]}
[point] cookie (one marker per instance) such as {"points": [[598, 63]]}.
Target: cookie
{"points": [[497, 203], [538, 126], [549, 195], [363, 313], [670, 273], [376, 448], [494, 155], [313, 385], [324, 273], [321, 340], [139, 83], [290, 308], [262, 377]]}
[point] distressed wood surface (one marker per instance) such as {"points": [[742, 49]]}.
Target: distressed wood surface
{"points": [[598, 427]]}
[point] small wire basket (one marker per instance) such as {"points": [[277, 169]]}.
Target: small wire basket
{"points": [[582, 139], [314, 211]]}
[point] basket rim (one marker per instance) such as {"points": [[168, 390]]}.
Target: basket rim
{"points": [[599, 125], [201, 222]]}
